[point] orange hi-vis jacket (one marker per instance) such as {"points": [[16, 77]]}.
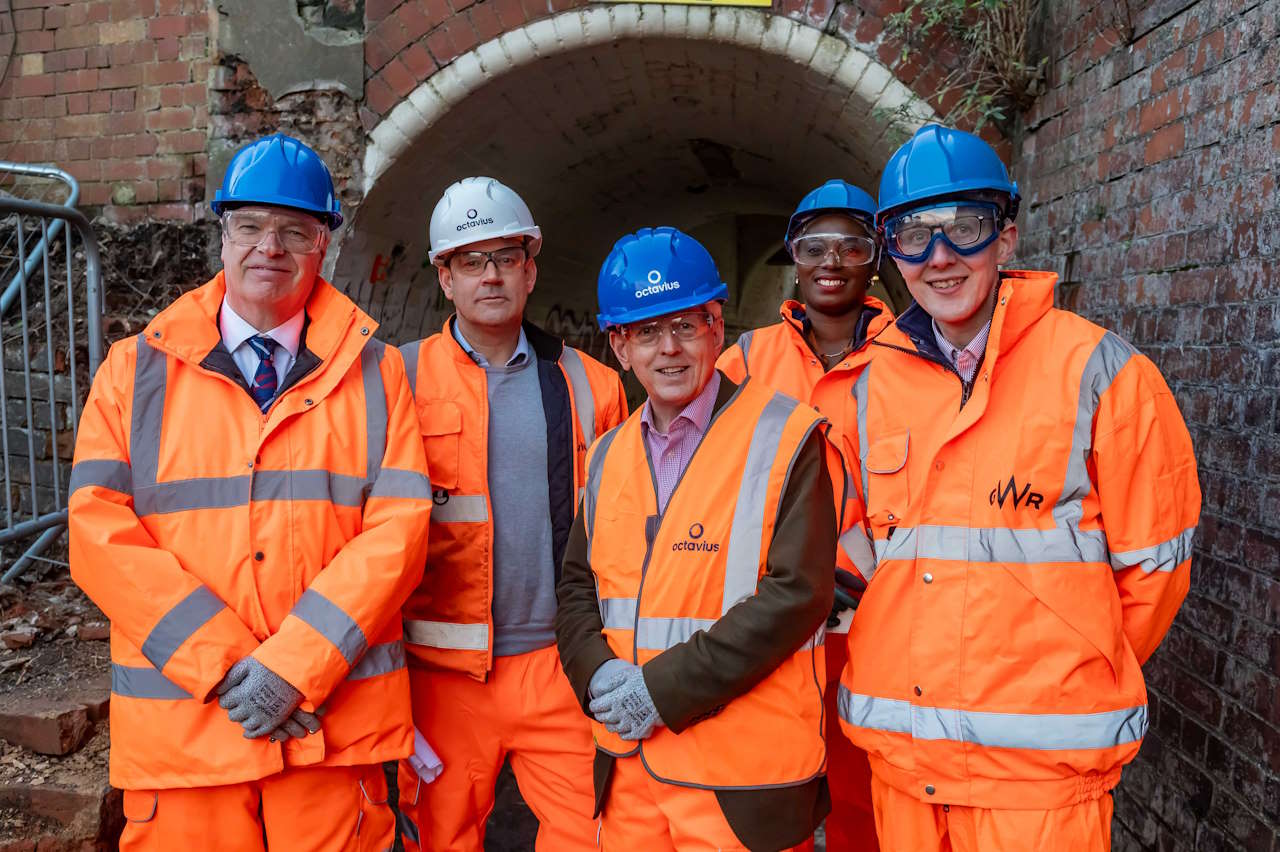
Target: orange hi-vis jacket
{"points": [[448, 620], [1032, 535], [663, 578], [779, 356], [208, 531]]}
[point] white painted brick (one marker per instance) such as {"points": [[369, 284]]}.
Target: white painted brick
{"points": [[852, 66], [750, 30], [543, 35], [568, 27], [675, 19], [408, 120], [428, 103], [724, 23], [699, 26], [873, 81], [493, 59], [625, 19], [518, 47], [804, 41], [596, 26], [389, 138], [374, 163], [827, 58], [650, 24], [777, 32], [469, 71], [448, 85]]}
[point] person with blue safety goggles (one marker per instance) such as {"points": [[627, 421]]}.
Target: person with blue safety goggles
{"points": [[966, 227]]}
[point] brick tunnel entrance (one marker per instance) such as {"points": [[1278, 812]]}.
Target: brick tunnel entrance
{"points": [[605, 123]]}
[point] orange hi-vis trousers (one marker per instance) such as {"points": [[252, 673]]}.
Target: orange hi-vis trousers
{"points": [[302, 809], [525, 710], [907, 824]]}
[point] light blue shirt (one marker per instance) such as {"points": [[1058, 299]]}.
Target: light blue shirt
{"points": [[236, 332], [523, 351]]}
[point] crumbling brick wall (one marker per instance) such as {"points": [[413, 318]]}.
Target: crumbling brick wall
{"points": [[1151, 164]]}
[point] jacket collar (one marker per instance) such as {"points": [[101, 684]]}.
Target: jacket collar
{"points": [[545, 346], [1022, 298], [336, 330], [875, 317]]}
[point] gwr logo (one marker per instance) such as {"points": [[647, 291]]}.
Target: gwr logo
{"points": [[1004, 492]]}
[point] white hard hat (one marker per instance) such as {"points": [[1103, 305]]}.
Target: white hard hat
{"points": [[476, 209]]}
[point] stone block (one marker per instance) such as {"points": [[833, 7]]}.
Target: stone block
{"points": [[47, 727]]}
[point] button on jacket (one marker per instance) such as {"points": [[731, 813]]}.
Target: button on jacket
{"points": [[448, 620], [208, 530], [1032, 536]]}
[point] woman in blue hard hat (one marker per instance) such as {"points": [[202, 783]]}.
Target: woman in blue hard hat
{"points": [[697, 579], [816, 354], [1032, 506]]}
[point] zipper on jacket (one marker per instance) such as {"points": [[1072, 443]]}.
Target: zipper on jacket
{"points": [[651, 524]]}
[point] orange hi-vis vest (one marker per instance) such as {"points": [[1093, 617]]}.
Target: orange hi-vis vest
{"points": [[662, 579], [1032, 534], [448, 620], [207, 531], [780, 356]]}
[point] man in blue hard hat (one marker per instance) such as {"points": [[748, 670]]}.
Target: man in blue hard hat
{"points": [[815, 354], [697, 579], [1032, 502], [249, 506]]}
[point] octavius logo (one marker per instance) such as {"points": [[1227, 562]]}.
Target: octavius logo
{"points": [[475, 220], [692, 543], [656, 285]]}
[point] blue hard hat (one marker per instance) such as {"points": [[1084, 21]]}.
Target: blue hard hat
{"points": [[834, 196], [279, 170], [653, 272], [942, 162]]}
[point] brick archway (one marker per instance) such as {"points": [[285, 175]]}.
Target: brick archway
{"points": [[611, 117]]}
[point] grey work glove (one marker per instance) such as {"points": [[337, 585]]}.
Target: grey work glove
{"points": [[627, 709], [298, 725], [256, 698], [608, 676]]}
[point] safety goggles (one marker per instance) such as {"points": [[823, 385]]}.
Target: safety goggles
{"points": [[472, 263], [815, 249], [683, 327], [967, 228], [295, 234]]}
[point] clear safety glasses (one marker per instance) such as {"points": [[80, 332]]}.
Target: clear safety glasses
{"points": [[967, 228], [683, 327], [472, 263], [815, 249], [295, 234]]}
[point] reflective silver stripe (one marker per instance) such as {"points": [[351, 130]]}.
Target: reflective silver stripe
{"points": [[618, 613], [1039, 731], [744, 343], [861, 395], [340, 488], [144, 682], [330, 621], [659, 634], [102, 473], [184, 495], [446, 634], [375, 407], [1104, 364], [379, 660], [857, 547], [410, 351], [148, 414], [460, 509], [402, 484], [178, 624], [977, 544], [1165, 556], [742, 556], [583, 399], [595, 470]]}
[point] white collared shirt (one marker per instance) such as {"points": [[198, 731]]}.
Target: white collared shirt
{"points": [[236, 332]]}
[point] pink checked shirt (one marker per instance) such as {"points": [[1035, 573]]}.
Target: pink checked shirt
{"points": [[966, 360], [671, 450]]}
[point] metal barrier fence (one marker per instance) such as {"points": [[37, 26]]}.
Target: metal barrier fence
{"points": [[52, 346]]}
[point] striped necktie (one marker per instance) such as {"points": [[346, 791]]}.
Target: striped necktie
{"points": [[264, 378]]}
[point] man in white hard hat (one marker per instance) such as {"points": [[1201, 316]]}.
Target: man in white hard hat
{"points": [[507, 412]]}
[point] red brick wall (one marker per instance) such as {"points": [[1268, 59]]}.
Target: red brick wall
{"points": [[1151, 169], [114, 92]]}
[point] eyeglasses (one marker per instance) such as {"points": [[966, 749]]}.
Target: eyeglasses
{"points": [[473, 262], [967, 229], [814, 249], [295, 234], [683, 327]]}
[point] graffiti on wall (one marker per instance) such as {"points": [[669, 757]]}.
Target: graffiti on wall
{"points": [[578, 328]]}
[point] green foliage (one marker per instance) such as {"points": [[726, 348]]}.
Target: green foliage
{"points": [[996, 75]]}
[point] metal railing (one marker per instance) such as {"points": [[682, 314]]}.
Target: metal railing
{"points": [[51, 349]]}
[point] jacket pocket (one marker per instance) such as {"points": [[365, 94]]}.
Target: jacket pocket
{"points": [[441, 425], [375, 824], [888, 494]]}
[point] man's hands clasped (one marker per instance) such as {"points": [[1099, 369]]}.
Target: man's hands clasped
{"points": [[621, 702], [262, 702]]}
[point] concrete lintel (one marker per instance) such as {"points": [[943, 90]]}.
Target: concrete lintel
{"points": [[261, 32]]}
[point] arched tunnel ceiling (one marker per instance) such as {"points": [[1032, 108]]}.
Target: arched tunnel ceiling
{"points": [[712, 137]]}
